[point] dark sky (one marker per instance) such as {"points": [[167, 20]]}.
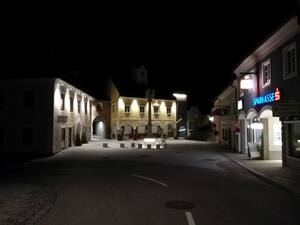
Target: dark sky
{"points": [[191, 48]]}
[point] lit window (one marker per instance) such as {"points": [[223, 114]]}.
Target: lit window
{"points": [[289, 61], [156, 109], [28, 99], [62, 102], [142, 109], [127, 108], [266, 73], [85, 107], [71, 104], [169, 111], [78, 105]]}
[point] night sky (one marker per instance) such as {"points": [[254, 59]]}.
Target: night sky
{"points": [[192, 48]]}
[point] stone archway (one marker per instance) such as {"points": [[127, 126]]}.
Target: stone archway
{"points": [[98, 131]]}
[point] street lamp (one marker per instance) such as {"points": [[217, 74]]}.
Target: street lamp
{"points": [[181, 110]]}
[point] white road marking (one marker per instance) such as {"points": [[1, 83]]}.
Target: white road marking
{"points": [[150, 179], [190, 218]]}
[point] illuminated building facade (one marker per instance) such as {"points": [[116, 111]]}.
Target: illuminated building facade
{"points": [[129, 116], [269, 99], [45, 116]]}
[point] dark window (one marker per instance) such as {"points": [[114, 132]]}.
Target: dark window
{"points": [[1, 101], [127, 108], [85, 107], [62, 101], [294, 130], [71, 104], [1, 136], [78, 106], [169, 111], [156, 109], [27, 136], [142, 109], [290, 60], [113, 108], [28, 99]]}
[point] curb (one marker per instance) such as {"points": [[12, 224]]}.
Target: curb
{"points": [[262, 176]]}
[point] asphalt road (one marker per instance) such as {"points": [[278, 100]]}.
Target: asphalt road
{"points": [[128, 186]]}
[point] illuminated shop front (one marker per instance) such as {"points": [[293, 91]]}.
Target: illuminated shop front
{"points": [[260, 132]]}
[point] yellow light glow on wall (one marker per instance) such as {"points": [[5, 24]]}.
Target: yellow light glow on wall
{"points": [[134, 106], [173, 108], [67, 101], [121, 104], [163, 107], [57, 97]]}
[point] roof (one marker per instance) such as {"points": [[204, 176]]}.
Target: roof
{"points": [[278, 37]]}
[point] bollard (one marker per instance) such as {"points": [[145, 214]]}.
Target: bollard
{"points": [[140, 146], [122, 145], [148, 146], [157, 146], [105, 145], [133, 145]]}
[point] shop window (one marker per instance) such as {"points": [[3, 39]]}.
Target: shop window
{"points": [[28, 99], [71, 104], [295, 139], [277, 134], [289, 61], [266, 73], [27, 136]]}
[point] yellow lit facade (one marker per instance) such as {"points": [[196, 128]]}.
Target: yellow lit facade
{"points": [[129, 117]]}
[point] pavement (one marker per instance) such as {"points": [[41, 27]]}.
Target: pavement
{"points": [[189, 182], [270, 171]]}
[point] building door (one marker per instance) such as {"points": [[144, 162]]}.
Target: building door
{"points": [[70, 136], [63, 138]]}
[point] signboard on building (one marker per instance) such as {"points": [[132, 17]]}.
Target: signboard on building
{"points": [[286, 109], [240, 104], [270, 97], [61, 119]]}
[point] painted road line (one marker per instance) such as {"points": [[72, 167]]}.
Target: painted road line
{"points": [[190, 218], [150, 179]]}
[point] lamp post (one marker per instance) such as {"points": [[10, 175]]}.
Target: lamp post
{"points": [[181, 110], [150, 93]]}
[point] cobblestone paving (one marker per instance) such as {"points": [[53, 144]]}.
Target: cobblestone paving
{"points": [[24, 203]]}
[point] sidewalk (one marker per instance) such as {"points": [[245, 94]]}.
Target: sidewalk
{"points": [[270, 171]]}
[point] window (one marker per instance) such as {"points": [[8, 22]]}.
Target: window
{"points": [[28, 99], [127, 108], [156, 109], [113, 108], [289, 61], [85, 107], [142, 109], [1, 101], [27, 136], [294, 130], [62, 101], [266, 73], [1, 136], [71, 104], [78, 105], [169, 111]]}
